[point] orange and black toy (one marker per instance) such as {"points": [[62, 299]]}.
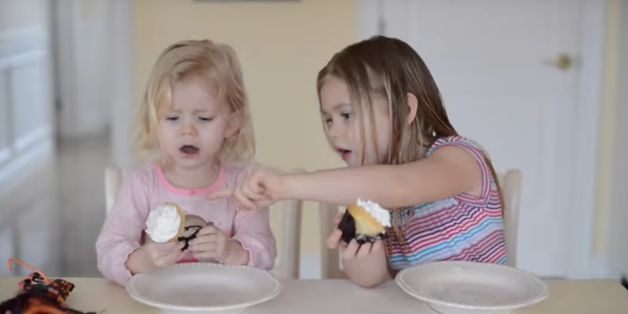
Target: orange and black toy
{"points": [[38, 294]]}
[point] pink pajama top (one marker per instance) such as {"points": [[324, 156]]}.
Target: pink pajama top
{"points": [[145, 189]]}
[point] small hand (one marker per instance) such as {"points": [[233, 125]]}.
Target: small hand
{"points": [[212, 244], [154, 255], [253, 190], [366, 263], [354, 252], [334, 238], [164, 254]]}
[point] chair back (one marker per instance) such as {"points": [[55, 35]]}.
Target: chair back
{"points": [[113, 180], [289, 254], [510, 182], [287, 264], [331, 267]]}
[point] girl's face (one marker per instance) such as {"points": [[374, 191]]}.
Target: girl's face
{"points": [[342, 126], [191, 132]]}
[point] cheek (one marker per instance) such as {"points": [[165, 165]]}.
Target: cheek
{"points": [[164, 131]]}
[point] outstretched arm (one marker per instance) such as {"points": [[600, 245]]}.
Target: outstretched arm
{"points": [[447, 172]]}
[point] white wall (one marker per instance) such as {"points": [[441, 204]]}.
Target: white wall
{"points": [[84, 63], [25, 89], [122, 87], [26, 124]]}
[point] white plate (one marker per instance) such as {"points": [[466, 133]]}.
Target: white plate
{"points": [[203, 287], [468, 287]]}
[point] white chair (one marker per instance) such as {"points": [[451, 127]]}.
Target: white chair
{"points": [[330, 260], [113, 180], [510, 182], [288, 257]]}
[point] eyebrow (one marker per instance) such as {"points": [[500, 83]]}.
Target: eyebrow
{"points": [[336, 107]]}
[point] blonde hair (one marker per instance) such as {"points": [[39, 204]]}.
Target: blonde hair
{"points": [[213, 63], [391, 68]]}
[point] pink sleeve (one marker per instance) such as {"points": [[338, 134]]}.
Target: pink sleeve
{"points": [[252, 230], [122, 231]]}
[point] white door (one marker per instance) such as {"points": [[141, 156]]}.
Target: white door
{"points": [[511, 74]]}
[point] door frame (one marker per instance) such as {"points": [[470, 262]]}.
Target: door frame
{"points": [[587, 124]]}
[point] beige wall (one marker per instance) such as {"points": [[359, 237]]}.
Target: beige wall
{"points": [[281, 46]]}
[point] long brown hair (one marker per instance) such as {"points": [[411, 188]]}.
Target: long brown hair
{"points": [[392, 69]]}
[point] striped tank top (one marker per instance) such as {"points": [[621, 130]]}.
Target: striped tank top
{"points": [[462, 227]]}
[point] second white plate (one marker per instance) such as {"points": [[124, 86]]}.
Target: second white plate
{"points": [[468, 287]]}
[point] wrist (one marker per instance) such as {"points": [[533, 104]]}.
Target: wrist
{"points": [[285, 187], [235, 254], [137, 262]]}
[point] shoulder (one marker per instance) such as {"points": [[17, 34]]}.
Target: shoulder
{"points": [[145, 175], [469, 159], [456, 141], [232, 170], [458, 145]]}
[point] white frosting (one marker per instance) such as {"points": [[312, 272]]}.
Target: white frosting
{"points": [[381, 215], [163, 223]]}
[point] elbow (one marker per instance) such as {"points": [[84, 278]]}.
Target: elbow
{"points": [[369, 282]]}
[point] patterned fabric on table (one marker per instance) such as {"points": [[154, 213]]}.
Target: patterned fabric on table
{"points": [[39, 294]]}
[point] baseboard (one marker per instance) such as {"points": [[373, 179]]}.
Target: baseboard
{"points": [[310, 267], [600, 268]]}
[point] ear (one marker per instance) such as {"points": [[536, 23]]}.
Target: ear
{"points": [[413, 104]]}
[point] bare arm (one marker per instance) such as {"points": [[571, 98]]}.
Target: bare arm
{"points": [[449, 171]]}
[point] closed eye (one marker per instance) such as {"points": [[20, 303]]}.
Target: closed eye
{"points": [[172, 118], [206, 119]]}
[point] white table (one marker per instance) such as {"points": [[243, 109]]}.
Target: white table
{"points": [[342, 296]]}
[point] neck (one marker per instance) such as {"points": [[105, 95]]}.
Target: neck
{"points": [[192, 178]]}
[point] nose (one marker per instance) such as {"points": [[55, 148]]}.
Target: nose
{"points": [[188, 128], [336, 129]]}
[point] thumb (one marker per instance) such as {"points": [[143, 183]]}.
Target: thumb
{"points": [[224, 193], [334, 239]]}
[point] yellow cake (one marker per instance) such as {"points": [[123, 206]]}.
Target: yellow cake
{"points": [[365, 224], [364, 221]]}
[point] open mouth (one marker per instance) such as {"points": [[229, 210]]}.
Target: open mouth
{"points": [[344, 153], [189, 149]]}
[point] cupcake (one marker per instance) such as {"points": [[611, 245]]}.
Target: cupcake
{"points": [[364, 221], [169, 222]]}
